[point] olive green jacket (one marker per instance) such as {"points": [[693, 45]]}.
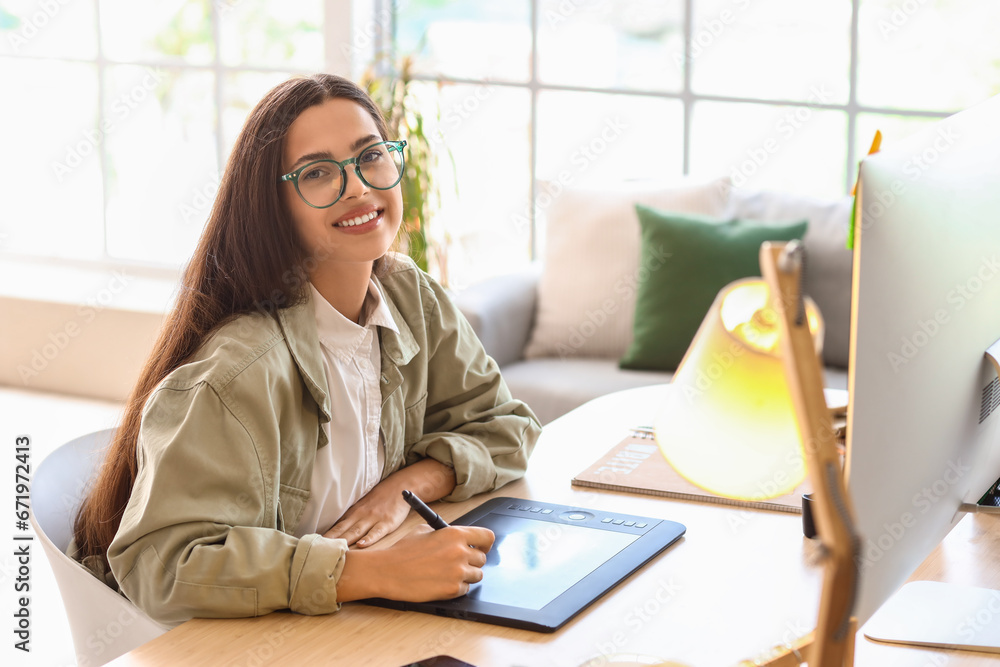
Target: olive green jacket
{"points": [[228, 440]]}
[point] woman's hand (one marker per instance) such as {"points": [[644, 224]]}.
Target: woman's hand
{"points": [[425, 565], [383, 509]]}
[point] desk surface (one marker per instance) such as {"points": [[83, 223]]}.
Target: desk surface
{"points": [[738, 583]]}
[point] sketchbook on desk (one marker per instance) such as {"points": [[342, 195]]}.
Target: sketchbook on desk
{"points": [[636, 465]]}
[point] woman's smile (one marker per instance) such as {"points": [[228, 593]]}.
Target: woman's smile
{"points": [[359, 220]]}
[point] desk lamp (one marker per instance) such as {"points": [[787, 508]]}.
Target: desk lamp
{"points": [[730, 402], [747, 407]]}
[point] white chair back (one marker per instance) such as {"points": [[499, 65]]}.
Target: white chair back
{"points": [[104, 624]]}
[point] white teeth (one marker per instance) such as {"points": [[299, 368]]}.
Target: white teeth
{"points": [[360, 220]]}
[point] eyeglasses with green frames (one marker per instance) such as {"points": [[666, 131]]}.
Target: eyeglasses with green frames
{"points": [[321, 183]]}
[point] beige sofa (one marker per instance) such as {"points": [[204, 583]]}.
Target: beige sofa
{"points": [[558, 328]]}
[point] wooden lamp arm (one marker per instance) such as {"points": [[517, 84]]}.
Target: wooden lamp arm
{"points": [[833, 642], [792, 655]]}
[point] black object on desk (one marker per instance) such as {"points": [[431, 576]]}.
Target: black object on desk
{"points": [[992, 497], [440, 661], [808, 523], [425, 512], [549, 562]]}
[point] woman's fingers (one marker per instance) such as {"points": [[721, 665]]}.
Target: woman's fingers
{"points": [[376, 533], [479, 538], [425, 564], [478, 558], [348, 530], [475, 575]]}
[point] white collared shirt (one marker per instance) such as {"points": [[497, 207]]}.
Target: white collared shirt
{"points": [[351, 464]]}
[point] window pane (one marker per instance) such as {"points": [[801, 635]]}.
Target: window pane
{"points": [[52, 203], [596, 140], [772, 49], [161, 161], [57, 30], [937, 56], [636, 44], [793, 149], [173, 30], [272, 34], [463, 39], [600, 139], [240, 93], [486, 128]]}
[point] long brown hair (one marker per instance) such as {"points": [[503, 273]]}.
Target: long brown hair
{"points": [[249, 258]]}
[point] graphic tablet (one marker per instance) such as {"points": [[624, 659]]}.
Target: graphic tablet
{"points": [[549, 562]]}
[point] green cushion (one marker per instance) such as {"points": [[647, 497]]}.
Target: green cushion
{"points": [[686, 259]]}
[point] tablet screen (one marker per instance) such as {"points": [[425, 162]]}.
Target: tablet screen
{"points": [[540, 560]]}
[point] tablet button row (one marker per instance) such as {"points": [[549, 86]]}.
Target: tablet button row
{"points": [[623, 522], [529, 508]]}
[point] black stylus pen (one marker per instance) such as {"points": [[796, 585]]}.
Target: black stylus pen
{"points": [[428, 515]]}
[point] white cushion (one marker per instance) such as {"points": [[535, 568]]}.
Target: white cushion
{"points": [[586, 295], [828, 262]]}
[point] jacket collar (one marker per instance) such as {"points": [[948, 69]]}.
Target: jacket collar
{"points": [[397, 346], [298, 323]]}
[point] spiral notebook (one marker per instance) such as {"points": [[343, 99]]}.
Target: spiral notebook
{"points": [[635, 465]]}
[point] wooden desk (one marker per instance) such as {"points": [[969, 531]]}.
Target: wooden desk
{"points": [[739, 582]]}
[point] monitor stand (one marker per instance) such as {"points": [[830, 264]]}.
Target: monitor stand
{"points": [[938, 615]]}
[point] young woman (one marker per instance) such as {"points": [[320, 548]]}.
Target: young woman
{"points": [[303, 379]]}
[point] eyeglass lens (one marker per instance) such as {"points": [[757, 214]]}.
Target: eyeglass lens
{"points": [[380, 167]]}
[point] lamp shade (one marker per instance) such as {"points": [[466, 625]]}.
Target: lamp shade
{"points": [[729, 425]]}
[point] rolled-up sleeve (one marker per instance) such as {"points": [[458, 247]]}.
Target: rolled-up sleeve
{"points": [[200, 535], [470, 423]]}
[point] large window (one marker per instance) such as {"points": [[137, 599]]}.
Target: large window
{"points": [[775, 94], [119, 115]]}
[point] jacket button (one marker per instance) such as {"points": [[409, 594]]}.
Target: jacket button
{"points": [[385, 380]]}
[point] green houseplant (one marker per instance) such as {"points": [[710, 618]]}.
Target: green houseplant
{"points": [[391, 87]]}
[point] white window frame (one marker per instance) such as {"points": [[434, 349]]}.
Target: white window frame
{"points": [[350, 41], [688, 99]]}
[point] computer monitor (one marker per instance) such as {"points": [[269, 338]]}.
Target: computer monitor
{"points": [[923, 432]]}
